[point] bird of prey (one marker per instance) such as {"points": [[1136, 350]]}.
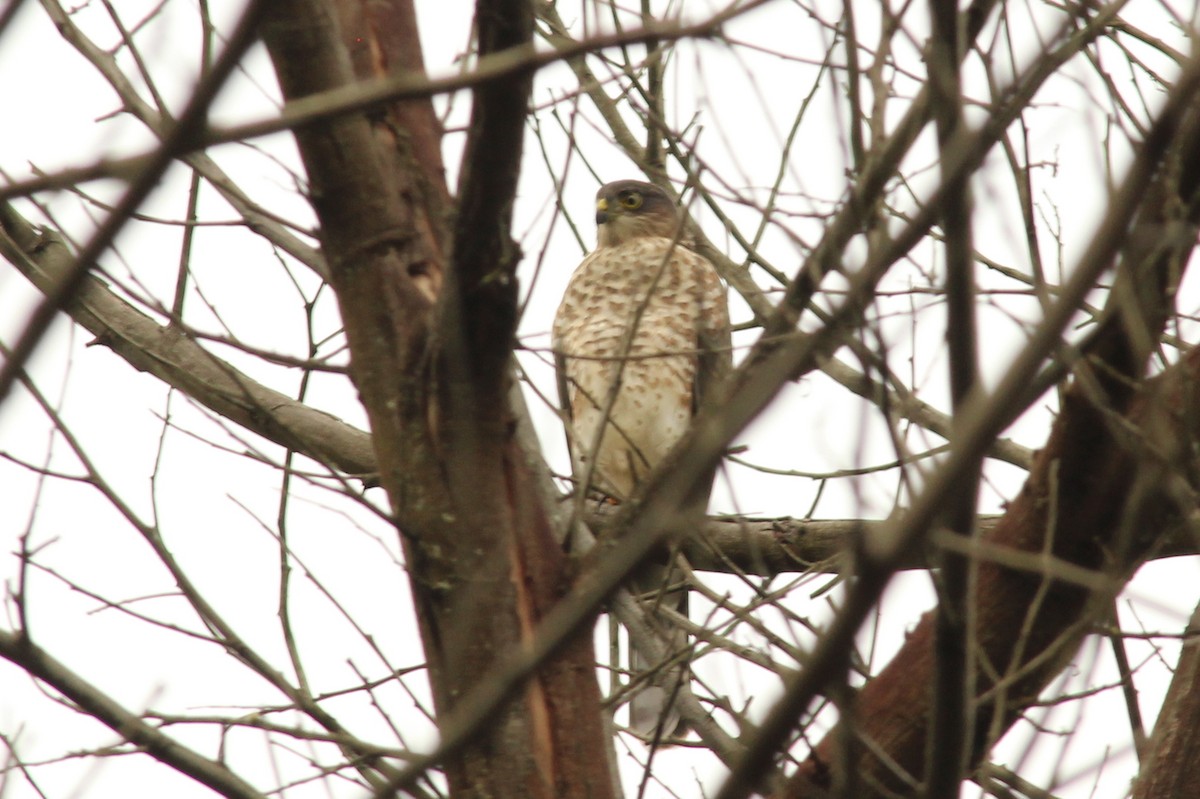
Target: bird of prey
{"points": [[640, 337]]}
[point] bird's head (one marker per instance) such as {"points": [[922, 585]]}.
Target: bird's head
{"points": [[628, 209]]}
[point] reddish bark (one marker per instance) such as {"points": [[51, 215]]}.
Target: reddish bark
{"points": [[431, 341], [382, 39]]}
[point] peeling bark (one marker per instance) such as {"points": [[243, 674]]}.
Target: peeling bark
{"points": [[430, 313]]}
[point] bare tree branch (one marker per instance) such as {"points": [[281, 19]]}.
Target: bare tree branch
{"points": [[179, 361], [23, 652], [190, 120]]}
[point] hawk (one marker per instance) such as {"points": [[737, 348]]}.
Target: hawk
{"points": [[641, 336]]}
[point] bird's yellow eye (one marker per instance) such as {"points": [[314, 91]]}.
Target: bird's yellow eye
{"points": [[631, 200]]}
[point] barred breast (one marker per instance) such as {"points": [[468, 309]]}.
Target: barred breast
{"points": [[627, 331]]}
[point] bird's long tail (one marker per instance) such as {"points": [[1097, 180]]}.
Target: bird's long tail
{"points": [[652, 713]]}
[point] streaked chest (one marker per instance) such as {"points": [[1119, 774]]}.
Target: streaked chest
{"points": [[650, 285]]}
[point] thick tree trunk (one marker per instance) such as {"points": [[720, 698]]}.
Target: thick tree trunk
{"points": [[431, 329]]}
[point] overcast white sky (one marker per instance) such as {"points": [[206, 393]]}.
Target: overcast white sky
{"points": [[220, 512]]}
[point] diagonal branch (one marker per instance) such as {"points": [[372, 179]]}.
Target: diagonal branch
{"points": [[22, 652], [179, 361], [175, 142]]}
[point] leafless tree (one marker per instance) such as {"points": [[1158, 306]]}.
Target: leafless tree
{"points": [[946, 231]]}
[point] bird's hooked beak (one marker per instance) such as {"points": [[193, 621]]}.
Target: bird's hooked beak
{"points": [[602, 215]]}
